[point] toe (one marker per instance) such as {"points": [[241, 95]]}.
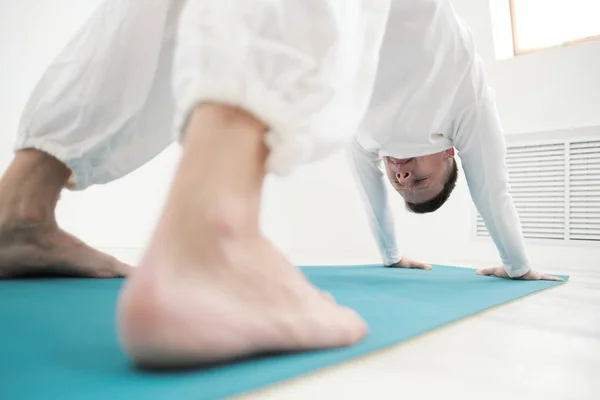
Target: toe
{"points": [[356, 328], [329, 297], [113, 270], [342, 327]]}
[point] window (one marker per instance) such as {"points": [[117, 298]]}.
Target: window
{"points": [[556, 189], [541, 24]]}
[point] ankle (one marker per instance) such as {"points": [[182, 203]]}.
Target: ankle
{"points": [[224, 216], [212, 234], [232, 217], [33, 172], [214, 203], [25, 215], [30, 188], [224, 151]]}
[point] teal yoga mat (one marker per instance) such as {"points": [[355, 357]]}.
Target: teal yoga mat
{"points": [[57, 336]]}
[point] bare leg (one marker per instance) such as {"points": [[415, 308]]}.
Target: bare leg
{"points": [[211, 287], [31, 242]]}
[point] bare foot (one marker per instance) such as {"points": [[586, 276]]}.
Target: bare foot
{"points": [[31, 243], [211, 288], [49, 251], [253, 303]]}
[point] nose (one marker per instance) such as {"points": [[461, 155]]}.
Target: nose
{"points": [[403, 177]]}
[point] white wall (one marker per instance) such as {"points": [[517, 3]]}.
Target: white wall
{"points": [[315, 215], [544, 91]]}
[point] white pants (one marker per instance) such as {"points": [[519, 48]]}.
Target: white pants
{"points": [[122, 89]]}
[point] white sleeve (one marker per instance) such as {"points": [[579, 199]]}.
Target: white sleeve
{"points": [[370, 181], [482, 150], [305, 68]]}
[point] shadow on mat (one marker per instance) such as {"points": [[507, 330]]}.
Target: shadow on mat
{"points": [[209, 367]]}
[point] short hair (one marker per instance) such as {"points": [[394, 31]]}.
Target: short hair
{"points": [[434, 204]]}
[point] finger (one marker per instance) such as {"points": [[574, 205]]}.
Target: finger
{"points": [[487, 271], [498, 272], [550, 278], [402, 264], [417, 265], [426, 267]]}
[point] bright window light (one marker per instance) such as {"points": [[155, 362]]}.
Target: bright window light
{"points": [[541, 24]]}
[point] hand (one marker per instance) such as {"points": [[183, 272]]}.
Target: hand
{"points": [[529, 276], [411, 264]]}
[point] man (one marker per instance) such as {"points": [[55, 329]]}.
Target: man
{"points": [[258, 87], [430, 98]]}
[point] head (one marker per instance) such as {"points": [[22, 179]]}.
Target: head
{"points": [[425, 183]]}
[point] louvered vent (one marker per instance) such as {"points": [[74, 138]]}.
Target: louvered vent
{"points": [[556, 189], [584, 191]]}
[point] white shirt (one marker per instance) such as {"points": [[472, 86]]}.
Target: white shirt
{"points": [[430, 95]]}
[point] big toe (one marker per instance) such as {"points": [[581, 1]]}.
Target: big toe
{"points": [[328, 297], [356, 328], [341, 327]]}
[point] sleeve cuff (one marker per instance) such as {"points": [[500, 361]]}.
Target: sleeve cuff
{"points": [[515, 272], [391, 257]]}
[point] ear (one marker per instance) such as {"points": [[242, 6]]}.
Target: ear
{"points": [[450, 152]]}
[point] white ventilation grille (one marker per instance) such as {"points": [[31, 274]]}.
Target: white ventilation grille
{"points": [[584, 191], [556, 190]]}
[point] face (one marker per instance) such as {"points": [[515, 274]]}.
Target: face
{"points": [[419, 179]]}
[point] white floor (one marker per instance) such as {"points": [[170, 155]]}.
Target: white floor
{"points": [[546, 346]]}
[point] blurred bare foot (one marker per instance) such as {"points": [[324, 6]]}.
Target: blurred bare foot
{"points": [[211, 288]]}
